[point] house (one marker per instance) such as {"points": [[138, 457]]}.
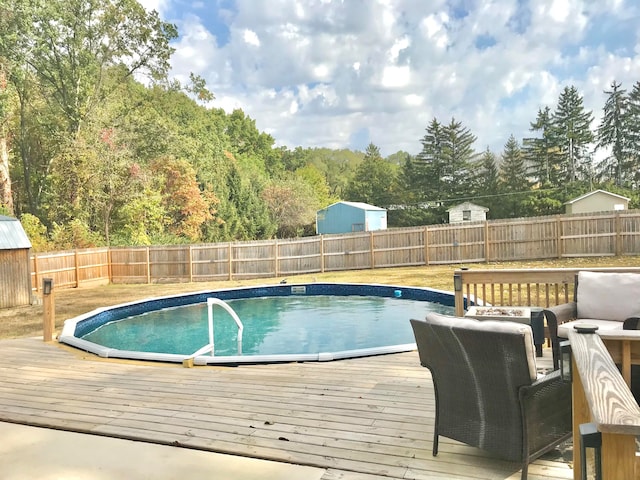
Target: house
{"points": [[15, 264], [347, 217], [597, 201], [467, 212]]}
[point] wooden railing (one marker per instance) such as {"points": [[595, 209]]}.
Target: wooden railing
{"points": [[602, 397], [518, 287]]}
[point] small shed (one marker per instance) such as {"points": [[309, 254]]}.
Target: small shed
{"points": [[597, 201], [467, 212], [15, 264], [347, 217]]}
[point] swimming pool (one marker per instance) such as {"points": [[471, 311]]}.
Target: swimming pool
{"points": [[312, 322]]}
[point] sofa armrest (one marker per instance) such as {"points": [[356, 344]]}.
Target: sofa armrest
{"points": [[547, 409], [556, 316]]}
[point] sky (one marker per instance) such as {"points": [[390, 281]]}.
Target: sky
{"points": [[344, 73]]}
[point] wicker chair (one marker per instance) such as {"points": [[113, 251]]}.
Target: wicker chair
{"points": [[487, 391]]}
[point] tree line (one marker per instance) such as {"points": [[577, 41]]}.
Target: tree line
{"points": [[98, 146]]}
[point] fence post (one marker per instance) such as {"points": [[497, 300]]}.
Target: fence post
{"points": [[36, 271], [618, 235], [321, 253], [148, 266], [190, 263], [230, 262], [559, 236], [426, 245], [373, 255], [486, 241], [275, 255], [76, 262]]}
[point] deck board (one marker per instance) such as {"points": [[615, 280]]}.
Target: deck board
{"points": [[360, 419]]}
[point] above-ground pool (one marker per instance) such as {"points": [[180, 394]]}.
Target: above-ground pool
{"points": [[279, 323]]}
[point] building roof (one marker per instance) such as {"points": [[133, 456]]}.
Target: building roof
{"points": [[12, 235], [468, 206], [360, 205], [581, 197]]}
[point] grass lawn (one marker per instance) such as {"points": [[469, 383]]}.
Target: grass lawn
{"points": [[70, 302]]}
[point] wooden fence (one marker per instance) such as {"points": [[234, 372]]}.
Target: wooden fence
{"points": [[604, 234]]}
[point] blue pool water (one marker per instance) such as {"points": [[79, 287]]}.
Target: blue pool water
{"points": [[319, 321], [272, 326]]}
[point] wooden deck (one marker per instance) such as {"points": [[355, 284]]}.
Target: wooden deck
{"points": [[361, 419]]}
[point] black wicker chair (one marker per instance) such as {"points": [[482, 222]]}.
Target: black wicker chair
{"points": [[487, 391]]}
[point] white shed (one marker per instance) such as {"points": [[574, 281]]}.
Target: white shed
{"points": [[467, 212]]}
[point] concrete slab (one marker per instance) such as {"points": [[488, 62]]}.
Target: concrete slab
{"points": [[33, 453]]}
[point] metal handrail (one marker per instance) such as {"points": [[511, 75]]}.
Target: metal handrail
{"points": [[210, 347]]}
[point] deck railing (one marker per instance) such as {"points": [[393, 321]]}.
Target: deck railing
{"points": [[518, 287], [601, 397]]}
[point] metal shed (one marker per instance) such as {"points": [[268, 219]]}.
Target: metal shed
{"points": [[348, 217], [15, 268]]}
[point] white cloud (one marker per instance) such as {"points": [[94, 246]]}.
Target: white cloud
{"points": [[251, 37], [325, 70]]}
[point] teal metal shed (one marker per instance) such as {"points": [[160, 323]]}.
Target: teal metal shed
{"points": [[348, 217]]}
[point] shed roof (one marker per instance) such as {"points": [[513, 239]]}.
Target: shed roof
{"points": [[360, 205], [12, 235], [468, 206], [581, 197]]}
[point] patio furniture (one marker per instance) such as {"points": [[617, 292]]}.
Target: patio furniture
{"points": [[488, 393], [609, 300]]}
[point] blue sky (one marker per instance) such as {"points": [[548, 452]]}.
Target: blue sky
{"points": [[343, 73]]}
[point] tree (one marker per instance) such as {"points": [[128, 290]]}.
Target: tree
{"points": [[292, 204], [373, 180], [542, 153], [6, 193], [633, 134], [65, 59], [513, 179], [486, 181], [572, 133], [613, 133]]}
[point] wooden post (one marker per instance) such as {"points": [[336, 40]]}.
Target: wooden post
{"points": [[459, 297], [148, 266], [48, 309], [275, 253], [190, 264], [76, 262], [618, 235], [426, 246], [36, 271], [321, 254], [230, 261], [486, 241], [559, 237], [373, 255]]}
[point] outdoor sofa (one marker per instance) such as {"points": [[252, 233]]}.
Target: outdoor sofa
{"points": [[609, 300], [488, 391]]}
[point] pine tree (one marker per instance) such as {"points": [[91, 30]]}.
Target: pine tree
{"points": [[430, 163], [513, 179], [486, 180], [541, 153], [632, 169], [612, 132], [373, 180], [572, 133]]}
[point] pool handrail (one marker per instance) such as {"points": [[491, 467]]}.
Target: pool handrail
{"points": [[210, 347]]}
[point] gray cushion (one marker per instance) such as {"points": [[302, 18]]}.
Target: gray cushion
{"points": [[608, 296], [494, 326]]}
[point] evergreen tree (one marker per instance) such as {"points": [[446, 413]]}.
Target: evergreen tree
{"points": [[612, 133], [513, 179], [572, 133], [633, 132], [430, 167], [373, 180], [486, 181], [541, 153]]}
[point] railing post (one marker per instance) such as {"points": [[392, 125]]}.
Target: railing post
{"points": [[459, 297], [48, 309]]}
